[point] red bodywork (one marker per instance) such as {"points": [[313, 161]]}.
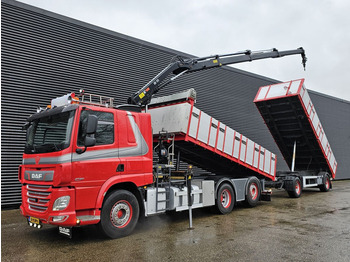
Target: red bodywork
{"points": [[87, 177]]}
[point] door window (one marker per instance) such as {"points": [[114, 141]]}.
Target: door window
{"points": [[105, 127]]}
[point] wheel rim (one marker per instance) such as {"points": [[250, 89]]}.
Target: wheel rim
{"points": [[253, 191], [121, 214], [225, 198], [297, 187]]}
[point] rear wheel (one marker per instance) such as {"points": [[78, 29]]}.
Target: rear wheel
{"points": [[326, 184], [253, 192], [120, 213], [225, 200], [296, 188]]}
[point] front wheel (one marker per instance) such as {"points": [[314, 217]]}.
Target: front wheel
{"points": [[120, 213]]}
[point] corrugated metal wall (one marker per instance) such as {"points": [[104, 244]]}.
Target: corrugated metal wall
{"points": [[45, 55]]}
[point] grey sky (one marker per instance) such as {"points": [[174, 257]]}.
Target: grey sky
{"points": [[204, 27]]}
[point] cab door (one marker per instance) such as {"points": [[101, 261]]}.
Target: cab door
{"points": [[98, 163]]}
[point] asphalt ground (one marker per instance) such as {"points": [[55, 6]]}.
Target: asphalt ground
{"points": [[315, 227]]}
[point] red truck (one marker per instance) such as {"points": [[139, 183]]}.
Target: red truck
{"points": [[89, 162]]}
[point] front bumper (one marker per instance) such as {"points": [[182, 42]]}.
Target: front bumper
{"points": [[38, 200]]}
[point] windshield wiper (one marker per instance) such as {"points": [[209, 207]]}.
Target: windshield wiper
{"points": [[47, 147]]}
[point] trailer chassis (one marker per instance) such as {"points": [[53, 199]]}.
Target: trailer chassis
{"points": [[295, 182]]}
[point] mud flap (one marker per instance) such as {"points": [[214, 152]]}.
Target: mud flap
{"points": [[266, 195], [66, 231]]}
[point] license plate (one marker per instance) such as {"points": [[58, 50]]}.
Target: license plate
{"points": [[34, 222]]}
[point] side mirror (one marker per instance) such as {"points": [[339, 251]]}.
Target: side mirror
{"points": [[89, 141], [91, 128], [91, 125]]}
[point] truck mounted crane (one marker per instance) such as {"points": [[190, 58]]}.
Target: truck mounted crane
{"points": [[181, 66]]}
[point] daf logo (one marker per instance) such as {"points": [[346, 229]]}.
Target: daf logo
{"points": [[37, 176]]}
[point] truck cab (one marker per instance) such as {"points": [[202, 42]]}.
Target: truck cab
{"points": [[67, 169]]}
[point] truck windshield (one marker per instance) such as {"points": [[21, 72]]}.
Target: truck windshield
{"points": [[50, 133]]}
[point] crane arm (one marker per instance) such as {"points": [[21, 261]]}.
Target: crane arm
{"points": [[181, 66]]}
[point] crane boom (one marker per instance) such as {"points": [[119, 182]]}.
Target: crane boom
{"points": [[180, 66]]}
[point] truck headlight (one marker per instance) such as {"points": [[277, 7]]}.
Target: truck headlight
{"points": [[61, 203]]}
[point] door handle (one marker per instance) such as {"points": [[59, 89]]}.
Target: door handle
{"points": [[120, 168]]}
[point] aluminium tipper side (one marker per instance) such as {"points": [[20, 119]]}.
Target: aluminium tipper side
{"points": [[291, 117], [210, 144]]}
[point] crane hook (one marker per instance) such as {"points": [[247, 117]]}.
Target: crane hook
{"points": [[303, 57]]}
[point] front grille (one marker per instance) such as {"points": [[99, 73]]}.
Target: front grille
{"points": [[38, 197]]}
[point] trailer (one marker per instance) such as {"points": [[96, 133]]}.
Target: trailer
{"points": [[87, 161], [291, 117]]}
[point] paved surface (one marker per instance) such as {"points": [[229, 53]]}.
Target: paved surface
{"points": [[315, 227]]}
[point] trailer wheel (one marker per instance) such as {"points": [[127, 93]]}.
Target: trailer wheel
{"points": [[120, 213], [326, 184], [225, 200], [296, 188], [253, 192]]}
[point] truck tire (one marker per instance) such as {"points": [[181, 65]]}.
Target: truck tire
{"points": [[326, 184], [253, 192], [295, 188], [120, 213], [225, 200]]}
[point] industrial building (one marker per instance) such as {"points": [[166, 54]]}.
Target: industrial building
{"points": [[46, 55]]}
